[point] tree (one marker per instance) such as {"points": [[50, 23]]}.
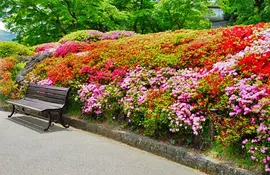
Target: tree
{"points": [[246, 11], [140, 12], [180, 14], [39, 21]]}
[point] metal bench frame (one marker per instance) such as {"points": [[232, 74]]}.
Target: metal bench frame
{"points": [[44, 102]]}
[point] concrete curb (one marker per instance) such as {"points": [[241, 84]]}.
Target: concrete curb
{"points": [[173, 153]]}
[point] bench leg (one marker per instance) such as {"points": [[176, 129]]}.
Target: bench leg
{"points": [[50, 122], [12, 112], [62, 121]]}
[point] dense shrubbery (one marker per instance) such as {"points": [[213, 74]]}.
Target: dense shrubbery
{"points": [[9, 67], [168, 83], [47, 47], [82, 35], [180, 49], [70, 47], [77, 41], [93, 36], [13, 49]]}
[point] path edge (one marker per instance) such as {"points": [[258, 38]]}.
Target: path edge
{"points": [[174, 153]]}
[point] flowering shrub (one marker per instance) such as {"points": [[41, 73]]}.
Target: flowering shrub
{"points": [[63, 77], [113, 35], [82, 35], [94, 36], [141, 95], [104, 73], [9, 67], [45, 82], [245, 104], [210, 50], [184, 87], [92, 95], [167, 49], [69, 47], [259, 56], [8, 48], [249, 104], [47, 47], [168, 83], [259, 146]]}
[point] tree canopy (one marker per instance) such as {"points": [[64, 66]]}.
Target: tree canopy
{"points": [[246, 11], [39, 21]]}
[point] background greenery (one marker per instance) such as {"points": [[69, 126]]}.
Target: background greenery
{"points": [[9, 48], [246, 11], [39, 21]]}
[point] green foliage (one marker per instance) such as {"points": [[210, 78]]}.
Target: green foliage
{"points": [[80, 35], [141, 15], [246, 11], [3, 98], [8, 49], [184, 14], [74, 108], [42, 21], [18, 66], [9, 67], [112, 110], [232, 152]]}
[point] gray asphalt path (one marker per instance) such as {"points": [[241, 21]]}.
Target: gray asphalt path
{"points": [[26, 150]]}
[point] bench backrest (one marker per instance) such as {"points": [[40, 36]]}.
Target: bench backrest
{"points": [[51, 94]]}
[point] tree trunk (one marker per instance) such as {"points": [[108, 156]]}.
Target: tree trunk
{"points": [[72, 14], [57, 21], [258, 3], [171, 20], [135, 26]]}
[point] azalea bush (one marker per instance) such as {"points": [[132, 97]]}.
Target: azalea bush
{"points": [[113, 35], [258, 55], [69, 47], [47, 47], [94, 36], [45, 82], [249, 104], [9, 67], [180, 49], [82, 35], [104, 73], [167, 84], [8, 48]]}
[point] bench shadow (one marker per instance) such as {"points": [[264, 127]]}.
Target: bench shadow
{"points": [[36, 124]]}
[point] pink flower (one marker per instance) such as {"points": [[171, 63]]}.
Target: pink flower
{"points": [[253, 158], [245, 141], [45, 82]]}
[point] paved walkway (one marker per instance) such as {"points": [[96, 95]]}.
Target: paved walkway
{"points": [[26, 150]]}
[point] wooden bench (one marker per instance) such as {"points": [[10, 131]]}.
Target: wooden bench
{"points": [[43, 101]]}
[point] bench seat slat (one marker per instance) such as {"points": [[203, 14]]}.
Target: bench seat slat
{"points": [[49, 87], [50, 91], [32, 105], [44, 98], [47, 94], [40, 89], [44, 102]]}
